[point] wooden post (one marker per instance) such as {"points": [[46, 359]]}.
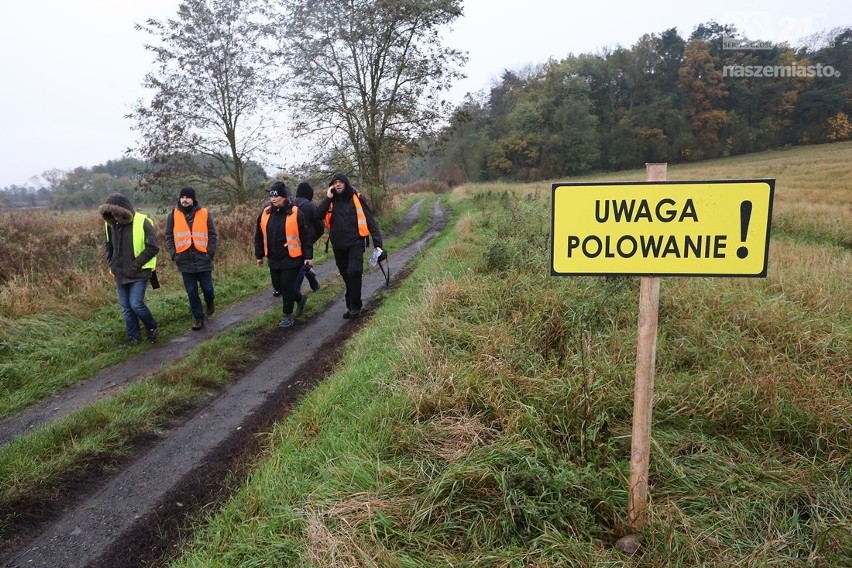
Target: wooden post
{"points": [[643, 394]]}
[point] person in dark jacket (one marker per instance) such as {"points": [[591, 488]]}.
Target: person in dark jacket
{"points": [[283, 235], [191, 240], [304, 200], [350, 224], [131, 252]]}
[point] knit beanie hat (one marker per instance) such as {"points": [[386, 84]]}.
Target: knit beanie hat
{"points": [[279, 188], [187, 192]]}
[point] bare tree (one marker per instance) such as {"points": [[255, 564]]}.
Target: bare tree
{"points": [[367, 76], [215, 85]]}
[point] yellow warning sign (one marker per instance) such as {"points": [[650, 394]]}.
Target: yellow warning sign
{"points": [[678, 228]]}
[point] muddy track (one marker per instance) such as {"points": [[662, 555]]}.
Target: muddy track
{"points": [[138, 515]]}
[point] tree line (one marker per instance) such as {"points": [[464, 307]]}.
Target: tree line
{"points": [[237, 83], [366, 89], [665, 99]]}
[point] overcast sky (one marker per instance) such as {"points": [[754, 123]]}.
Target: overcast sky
{"points": [[70, 70]]}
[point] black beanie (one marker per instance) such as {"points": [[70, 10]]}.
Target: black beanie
{"points": [[187, 192], [279, 188]]}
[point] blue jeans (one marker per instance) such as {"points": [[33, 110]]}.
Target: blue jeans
{"points": [[191, 282], [131, 298]]}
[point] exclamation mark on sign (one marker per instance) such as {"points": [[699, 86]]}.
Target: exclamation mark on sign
{"points": [[745, 217]]}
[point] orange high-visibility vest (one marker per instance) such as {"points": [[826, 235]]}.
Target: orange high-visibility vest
{"points": [[363, 229], [184, 238], [291, 232]]}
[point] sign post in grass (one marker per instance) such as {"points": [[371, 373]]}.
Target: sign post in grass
{"points": [[643, 391], [651, 229]]}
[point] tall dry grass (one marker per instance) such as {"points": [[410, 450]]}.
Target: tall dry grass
{"points": [[490, 424], [54, 262]]}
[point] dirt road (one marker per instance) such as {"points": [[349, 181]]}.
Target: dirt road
{"points": [[134, 517]]}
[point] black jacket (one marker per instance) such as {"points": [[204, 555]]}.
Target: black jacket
{"points": [[310, 210], [191, 260], [279, 258], [118, 214], [344, 219]]}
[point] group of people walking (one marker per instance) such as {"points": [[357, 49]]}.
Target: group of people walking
{"points": [[286, 230]]}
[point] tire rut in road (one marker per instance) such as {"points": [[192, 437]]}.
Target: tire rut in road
{"points": [[139, 511], [148, 362]]}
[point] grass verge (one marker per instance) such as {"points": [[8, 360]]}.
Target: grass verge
{"points": [[483, 419], [37, 468]]}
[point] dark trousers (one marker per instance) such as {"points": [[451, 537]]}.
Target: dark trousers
{"points": [[284, 281], [191, 282], [350, 264], [308, 273]]}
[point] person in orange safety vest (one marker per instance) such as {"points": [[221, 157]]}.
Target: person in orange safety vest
{"points": [[283, 234], [191, 240], [350, 224]]}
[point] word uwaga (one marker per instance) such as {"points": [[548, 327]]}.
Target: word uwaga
{"points": [[648, 246]]}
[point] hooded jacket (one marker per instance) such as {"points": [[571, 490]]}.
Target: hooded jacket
{"points": [[304, 200], [279, 258], [191, 260], [344, 220], [124, 262]]}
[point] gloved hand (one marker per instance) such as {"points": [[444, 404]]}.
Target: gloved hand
{"points": [[383, 256]]}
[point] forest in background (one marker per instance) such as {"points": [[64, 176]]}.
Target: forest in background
{"points": [[665, 99]]}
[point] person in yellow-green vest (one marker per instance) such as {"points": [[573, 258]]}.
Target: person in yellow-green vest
{"points": [[131, 251], [191, 242]]}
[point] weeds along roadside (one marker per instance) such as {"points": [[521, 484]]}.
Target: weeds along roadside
{"points": [[36, 468], [54, 333], [484, 417]]}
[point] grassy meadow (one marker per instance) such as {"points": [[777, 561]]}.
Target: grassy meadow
{"points": [[49, 342], [483, 417]]}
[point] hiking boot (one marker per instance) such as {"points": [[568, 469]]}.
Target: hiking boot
{"points": [[276, 293], [131, 341], [352, 314], [286, 321], [300, 305], [198, 325], [152, 335], [210, 308]]}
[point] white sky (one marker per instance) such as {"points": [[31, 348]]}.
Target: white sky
{"points": [[70, 70]]}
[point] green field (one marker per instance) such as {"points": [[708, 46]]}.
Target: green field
{"points": [[483, 417], [490, 424]]}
